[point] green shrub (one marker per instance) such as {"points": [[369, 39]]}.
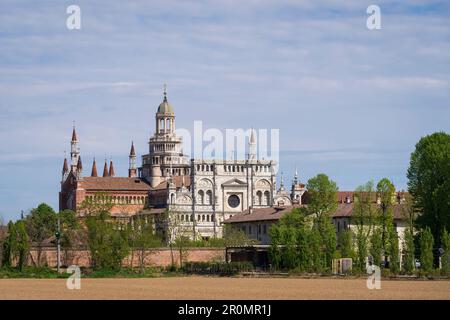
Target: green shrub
{"points": [[217, 268]]}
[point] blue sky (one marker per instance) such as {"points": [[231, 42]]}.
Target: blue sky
{"points": [[349, 102]]}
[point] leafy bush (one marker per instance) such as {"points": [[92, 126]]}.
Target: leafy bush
{"points": [[220, 268]]}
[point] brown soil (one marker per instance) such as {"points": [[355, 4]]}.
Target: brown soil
{"points": [[222, 288]]}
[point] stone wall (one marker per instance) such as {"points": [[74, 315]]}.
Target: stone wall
{"points": [[160, 257]]}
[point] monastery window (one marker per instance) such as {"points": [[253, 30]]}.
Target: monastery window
{"points": [[182, 217], [203, 218], [259, 197], [198, 218], [172, 198], [267, 197], [207, 218], [209, 197], [201, 197]]}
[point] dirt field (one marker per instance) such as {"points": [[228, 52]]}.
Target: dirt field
{"points": [[222, 288]]}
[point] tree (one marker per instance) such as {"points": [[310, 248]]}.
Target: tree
{"points": [[275, 254], [346, 244], [16, 245], [445, 259], [393, 249], [23, 246], [323, 195], [315, 239], [408, 251], [426, 250], [107, 238], [10, 245], [233, 236], [328, 239], [376, 246], [142, 238], [386, 196], [429, 182], [364, 218], [2, 238], [71, 233], [41, 224]]}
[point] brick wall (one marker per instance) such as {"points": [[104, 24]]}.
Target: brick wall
{"points": [[160, 257]]}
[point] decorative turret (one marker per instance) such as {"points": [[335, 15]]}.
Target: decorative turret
{"points": [[111, 172], [94, 169], [132, 162], [74, 151], [297, 189], [65, 170], [105, 169], [252, 146], [165, 117], [79, 168]]}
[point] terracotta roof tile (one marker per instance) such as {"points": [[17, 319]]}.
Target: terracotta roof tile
{"points": [[114, 183], [177, 180]]}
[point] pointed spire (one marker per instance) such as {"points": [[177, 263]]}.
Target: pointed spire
{"points": [[105, 169], [132, 152], [74, 133], [79, 164], [165, 92], [295, 176], [65, 165], [94, 169], [252, 137], [111, 169], [282, 182]]}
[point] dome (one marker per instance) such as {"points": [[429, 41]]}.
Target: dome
{"points": [[165, 107]]}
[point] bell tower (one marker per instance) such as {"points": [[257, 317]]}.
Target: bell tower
{"points": [[165, 157]]}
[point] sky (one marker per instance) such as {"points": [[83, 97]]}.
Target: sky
{"points": [[348, 101]]}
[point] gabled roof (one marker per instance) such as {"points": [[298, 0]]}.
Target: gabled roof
{"points": [[178, 182], [275, 213], [234, 181], [114, 183]]}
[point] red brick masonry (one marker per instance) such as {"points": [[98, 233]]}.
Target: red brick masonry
{"points": [[160, 257]]}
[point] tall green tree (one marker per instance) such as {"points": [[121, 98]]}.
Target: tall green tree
{"points": [[393, 250], [41, 224], [429, 182], [426, 250], [142, 238], [10, 245], [23, 245], [323, 195], [376, 246], [445, 259], [328, 239], [364, 219], [408, 251], [107, 238], [386, 197], [346, 246]]}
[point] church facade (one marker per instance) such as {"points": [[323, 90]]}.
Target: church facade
{"points": [[195, 195]]}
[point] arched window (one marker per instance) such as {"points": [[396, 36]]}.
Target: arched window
{"points": [[267, 197], [259, 197], [203, 217], [201, 197], [207, 218], [209, 197], [172, 198]]}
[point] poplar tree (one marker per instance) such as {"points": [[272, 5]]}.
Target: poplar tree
{"points": [[445, 259], [376, 246], [408, 251], [426, 250]]}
